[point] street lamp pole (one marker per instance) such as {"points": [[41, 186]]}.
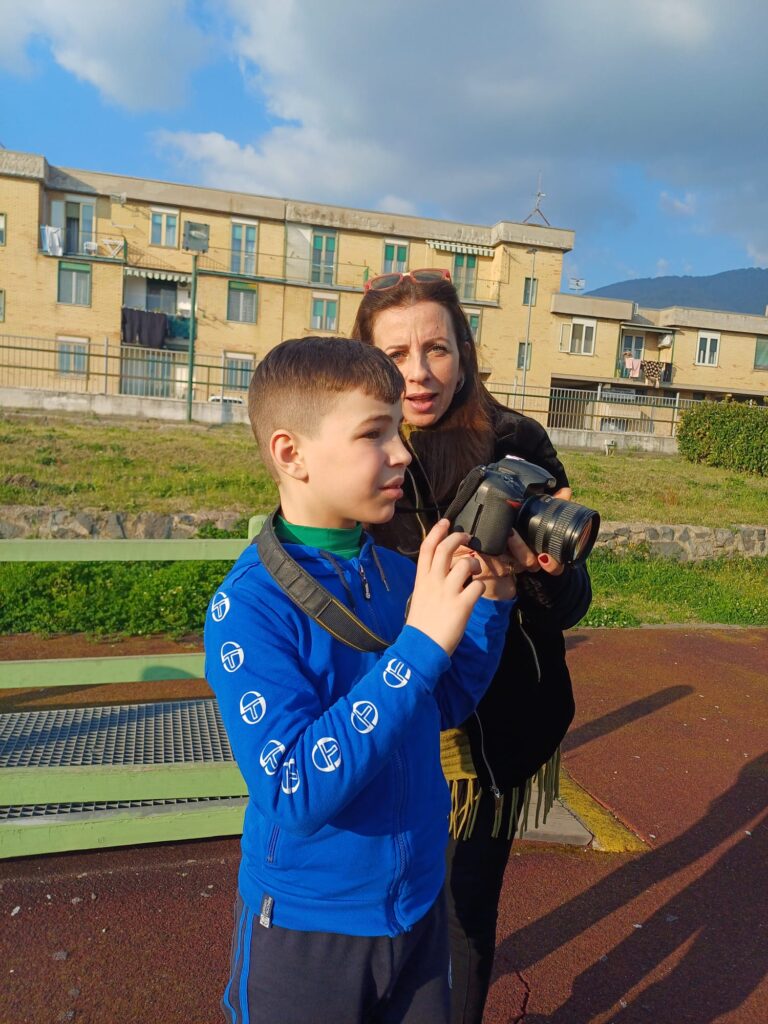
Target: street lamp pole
{"points": [[192, 332], [531, 292]]}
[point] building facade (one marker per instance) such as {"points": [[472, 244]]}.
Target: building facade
{"points": [[98, 271]]}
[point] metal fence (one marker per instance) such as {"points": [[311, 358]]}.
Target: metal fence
{"points": [[603, 410], [99, 368]]}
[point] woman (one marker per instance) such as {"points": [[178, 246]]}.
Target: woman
{"points": [[452, 424]]}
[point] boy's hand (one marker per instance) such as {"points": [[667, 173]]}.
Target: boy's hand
{"points": [[444, 593]]}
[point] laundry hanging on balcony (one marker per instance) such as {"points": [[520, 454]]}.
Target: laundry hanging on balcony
{"points": [[633, 365], [653, 370], [140, 327]]}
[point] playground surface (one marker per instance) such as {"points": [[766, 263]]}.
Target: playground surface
{"points": [[662, 917]]}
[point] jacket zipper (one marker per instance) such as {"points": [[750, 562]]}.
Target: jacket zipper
{"points": [[271, 845], [400, 872], [364, 581], [494, 788], [530, 644]]}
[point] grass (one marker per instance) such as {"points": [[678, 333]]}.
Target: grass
{"points": [[131, 466], [76, 463], [640, 487]]}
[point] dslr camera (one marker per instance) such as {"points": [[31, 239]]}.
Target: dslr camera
{"points": [[512, 494]]}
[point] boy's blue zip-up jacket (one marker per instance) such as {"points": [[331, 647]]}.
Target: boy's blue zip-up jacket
{"points": [[347, 821]]}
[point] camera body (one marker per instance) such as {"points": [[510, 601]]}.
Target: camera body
{"points": [[513, 494]]}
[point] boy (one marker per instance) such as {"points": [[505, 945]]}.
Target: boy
{"points": [[339, 915]]}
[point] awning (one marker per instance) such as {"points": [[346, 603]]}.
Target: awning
{"points": [[158, 275], [473, 250]]}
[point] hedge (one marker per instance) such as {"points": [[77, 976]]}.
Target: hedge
{"points": [[730, 434]]}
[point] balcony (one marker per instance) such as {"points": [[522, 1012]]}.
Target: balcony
{"points": [[90, 245]]}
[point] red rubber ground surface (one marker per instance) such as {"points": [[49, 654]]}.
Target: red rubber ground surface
{"points": [[671, 732]]}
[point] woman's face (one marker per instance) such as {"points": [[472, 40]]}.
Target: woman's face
{"points": [[422, 343]]}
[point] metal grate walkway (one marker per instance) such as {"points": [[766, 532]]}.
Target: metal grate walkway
{"points": [[171, 732]]}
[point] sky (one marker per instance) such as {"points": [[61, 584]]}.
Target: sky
{"points": [[643, 122]]}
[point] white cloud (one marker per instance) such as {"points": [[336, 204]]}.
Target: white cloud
{"points": [[662, 267], [685, 207], [138, 55], [451, 111]]}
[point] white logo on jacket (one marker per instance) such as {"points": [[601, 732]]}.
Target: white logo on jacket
{"points": [[219, 606], [326, 754], [271, 755], [232, 656], [364, 716], [291, 780], [252, 707], [396, 674]]}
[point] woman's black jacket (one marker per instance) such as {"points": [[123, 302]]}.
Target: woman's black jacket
{"points": [[529, 705]]}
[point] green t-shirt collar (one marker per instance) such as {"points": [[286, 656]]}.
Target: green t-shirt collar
{"points": [[344, 543]]}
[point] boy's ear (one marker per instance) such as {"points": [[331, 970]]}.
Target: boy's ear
{"points": [[286, 452]]}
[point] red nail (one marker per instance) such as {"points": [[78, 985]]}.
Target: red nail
{"points": [[544, 559]]}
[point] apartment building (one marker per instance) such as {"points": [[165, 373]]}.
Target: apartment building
{"points": [[98, 274], [101, 269]]}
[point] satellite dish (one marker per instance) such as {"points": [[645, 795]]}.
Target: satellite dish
{"points": [[576, 284]]}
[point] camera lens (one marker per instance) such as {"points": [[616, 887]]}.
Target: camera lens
{"points": [[563, 529]]}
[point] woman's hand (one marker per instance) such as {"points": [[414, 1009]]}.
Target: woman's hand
{"points": [[523, 559], [495, 572]]}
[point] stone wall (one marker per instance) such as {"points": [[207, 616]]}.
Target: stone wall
{"points": [[681, 542]]}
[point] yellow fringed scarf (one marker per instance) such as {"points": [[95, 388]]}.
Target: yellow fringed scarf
{"points": [[459, 771]]}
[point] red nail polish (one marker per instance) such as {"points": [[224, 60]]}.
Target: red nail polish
{"points": [[544, 559]]}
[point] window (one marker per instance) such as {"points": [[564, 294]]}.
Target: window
{"points": [[72, 356], [242, 302], [464, 275], [161, 296], [75, 284], [706, 353], [163, 228], [325, 311], [761, 353], [578, 337], [75, 221], [323, 257], [2, 306], [395, 257], [523, 363], [530, 291], [2, 229], [238, 368], [474, 326], [631, 349], [243, 254]]}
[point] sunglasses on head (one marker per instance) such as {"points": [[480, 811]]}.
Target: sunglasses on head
{"points": [[426, 276]]}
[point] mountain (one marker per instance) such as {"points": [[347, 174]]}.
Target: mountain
{"points": [[736, 291]]}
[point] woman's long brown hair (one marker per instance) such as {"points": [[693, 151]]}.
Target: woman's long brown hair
{"points": [[463, 437]]}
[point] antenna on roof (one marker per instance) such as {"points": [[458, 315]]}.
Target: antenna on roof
{"points": [[537, 206], [576, 284]]}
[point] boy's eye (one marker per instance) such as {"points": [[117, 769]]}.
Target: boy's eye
{"points": [[373, 435]]}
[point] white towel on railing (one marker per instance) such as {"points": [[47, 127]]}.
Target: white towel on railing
{"points": [[52, 240]]}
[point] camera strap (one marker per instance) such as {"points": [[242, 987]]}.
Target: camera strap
{"points": [[312, 597]]}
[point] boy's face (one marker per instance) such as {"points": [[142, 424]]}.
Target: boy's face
{"points": [[354, 465]]}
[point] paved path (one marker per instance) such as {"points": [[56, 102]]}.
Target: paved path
{"points": [[671, 735]]}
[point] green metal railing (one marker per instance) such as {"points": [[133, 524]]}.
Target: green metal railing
{"points": [[214, 790]]}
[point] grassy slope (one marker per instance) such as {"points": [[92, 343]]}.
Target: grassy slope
{"points": [[131, 466]]}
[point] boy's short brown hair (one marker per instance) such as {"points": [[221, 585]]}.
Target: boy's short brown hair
{"points": [[297, 382]]}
